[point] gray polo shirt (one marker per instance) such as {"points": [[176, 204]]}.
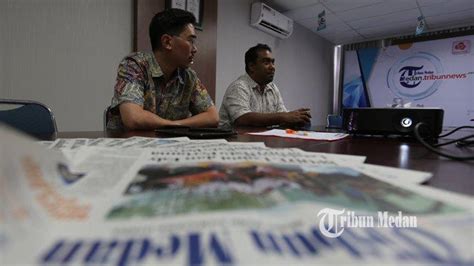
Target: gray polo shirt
{"points": [[243, 96]]}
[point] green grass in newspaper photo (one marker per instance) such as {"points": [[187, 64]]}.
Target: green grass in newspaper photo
{"points": [[206, 187]]}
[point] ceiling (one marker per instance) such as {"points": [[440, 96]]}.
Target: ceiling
{"points": [[352, 21]]}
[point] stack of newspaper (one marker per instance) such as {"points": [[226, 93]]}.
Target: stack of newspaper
{"points": [[150, 201]]}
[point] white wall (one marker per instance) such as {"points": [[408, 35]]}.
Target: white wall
{"points": [[64, 53], [304, 61]]}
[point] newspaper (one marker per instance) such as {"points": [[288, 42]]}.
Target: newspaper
{"points": [[119, 143], [243, 206]]}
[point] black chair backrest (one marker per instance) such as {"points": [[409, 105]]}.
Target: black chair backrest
{"points": [[106, 117], [31, 117]]}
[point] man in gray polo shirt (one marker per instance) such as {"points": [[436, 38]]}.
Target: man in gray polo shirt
{"points": [[254, 100]]}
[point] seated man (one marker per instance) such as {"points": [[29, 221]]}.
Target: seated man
{"points": [[254, 100], [158, 88]]}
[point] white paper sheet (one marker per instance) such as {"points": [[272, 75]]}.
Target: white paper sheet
{"points": [[301, 134]]}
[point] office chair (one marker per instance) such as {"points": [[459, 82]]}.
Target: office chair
{"points": [[30, 117], [106, 115]]}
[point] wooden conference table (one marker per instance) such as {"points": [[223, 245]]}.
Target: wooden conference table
{"points": [[404, 153]]}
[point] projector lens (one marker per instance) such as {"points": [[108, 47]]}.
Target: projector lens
{"points": [[406, 122]]}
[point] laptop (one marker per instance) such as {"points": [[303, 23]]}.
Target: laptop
{"points": [[197, 133]]}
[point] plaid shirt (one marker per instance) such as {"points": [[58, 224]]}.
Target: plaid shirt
{"points": [[243, 96], [140, 81]]}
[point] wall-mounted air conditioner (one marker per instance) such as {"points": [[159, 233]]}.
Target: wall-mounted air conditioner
{"points": [[271, 21]]}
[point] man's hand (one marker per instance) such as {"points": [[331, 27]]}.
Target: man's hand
{"points": [[208, 118], [297, 117], [135, 118]]}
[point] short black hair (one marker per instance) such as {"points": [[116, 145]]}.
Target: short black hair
{"points": [[170, 21], [252, 54]]}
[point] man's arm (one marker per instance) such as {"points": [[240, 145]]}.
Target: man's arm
{"points": [[237, 103], [208, 118], [204, 113], [134, 117], [294, 118]]}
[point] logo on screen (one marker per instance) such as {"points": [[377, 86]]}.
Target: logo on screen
{"points": [[409, 78], [461, 47]]}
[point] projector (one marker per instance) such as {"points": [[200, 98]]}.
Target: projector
{"points": [[393, 121]]}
